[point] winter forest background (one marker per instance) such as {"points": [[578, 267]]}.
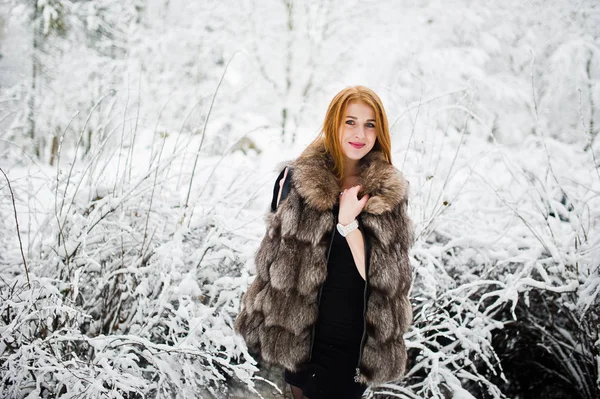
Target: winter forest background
{"points": [[139, 145]]}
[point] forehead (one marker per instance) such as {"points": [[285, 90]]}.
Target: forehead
{"points": [[359, 108]]}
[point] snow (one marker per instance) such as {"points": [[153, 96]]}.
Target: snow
{"points": [[137, 269]]}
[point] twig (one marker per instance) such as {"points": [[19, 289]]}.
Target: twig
{"points": [[122, 135], [437, 211], [75, 155], [59, 151], [137, 117], [223, 154], [152, 197], [412, 132], [175, 148], [204, 129], [590, 144], [537, 121], [154, 133], [422, 102], [12, 195]]}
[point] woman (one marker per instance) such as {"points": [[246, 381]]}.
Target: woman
{"points": [[330, 299]]}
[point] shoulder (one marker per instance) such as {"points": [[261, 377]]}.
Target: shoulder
{"points": [[390, 178], [386, 184]]}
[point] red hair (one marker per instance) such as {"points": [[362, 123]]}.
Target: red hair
{"points": [[329, 135]]}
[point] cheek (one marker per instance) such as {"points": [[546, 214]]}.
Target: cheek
{"points": [[345, 130], [372, 135]]}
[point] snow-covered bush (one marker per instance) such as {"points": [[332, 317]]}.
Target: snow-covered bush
{"points": [[130, 294], [507, 283]]}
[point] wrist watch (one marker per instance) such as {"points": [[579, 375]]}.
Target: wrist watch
{"points": [[344, 230]]}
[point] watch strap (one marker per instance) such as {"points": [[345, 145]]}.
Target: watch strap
{"points": [[344, 230]]}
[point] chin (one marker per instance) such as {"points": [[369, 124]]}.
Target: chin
{"points": [[356, 154], [356, 157]]}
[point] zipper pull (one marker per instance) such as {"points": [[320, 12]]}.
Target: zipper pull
{"points": [[357, 375]]}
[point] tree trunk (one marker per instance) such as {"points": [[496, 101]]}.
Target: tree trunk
{"points": [[591, 94], [54, 150], [34, 72], [591, 131], [288, 68]]}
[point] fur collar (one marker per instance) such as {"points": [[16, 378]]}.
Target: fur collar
{"points": [[316, 182]]}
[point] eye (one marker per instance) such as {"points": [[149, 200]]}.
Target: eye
{"points": [[371, 125], [350, 122]]}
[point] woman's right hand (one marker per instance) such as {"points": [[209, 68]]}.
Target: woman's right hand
{"points": [[350, 205]]}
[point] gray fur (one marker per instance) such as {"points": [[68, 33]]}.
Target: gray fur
{"points": [[280, 307]]}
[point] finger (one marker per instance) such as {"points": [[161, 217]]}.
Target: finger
{"points": [[358, 192], [351, 190]]}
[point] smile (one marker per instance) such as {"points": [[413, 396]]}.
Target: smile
{"points": [[357, 145]]}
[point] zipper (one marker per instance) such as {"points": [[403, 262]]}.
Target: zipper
{"points": [[364, 334], [312, 333]]}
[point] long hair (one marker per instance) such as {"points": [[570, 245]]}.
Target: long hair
{"points": [[329, 135]]}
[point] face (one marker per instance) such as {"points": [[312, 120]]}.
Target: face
{"points": [[357, 131]]}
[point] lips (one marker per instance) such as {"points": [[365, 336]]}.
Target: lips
{"points": [[357, 145]]}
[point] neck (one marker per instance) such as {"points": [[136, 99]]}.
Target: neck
{"points": [[385, 184], [351, 172], [350, 167]]}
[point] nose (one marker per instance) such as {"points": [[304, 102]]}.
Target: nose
{"points": [[360, 132]]}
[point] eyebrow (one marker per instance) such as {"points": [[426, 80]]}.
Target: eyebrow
{"points": [[354, 117]]}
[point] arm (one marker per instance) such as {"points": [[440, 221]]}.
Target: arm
{"points": [[355, 238], [356, 242]]}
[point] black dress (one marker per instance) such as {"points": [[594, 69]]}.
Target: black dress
{"points": [[338, 331]]}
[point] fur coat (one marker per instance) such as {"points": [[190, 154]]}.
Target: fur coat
{"points": [[280, 308]]}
